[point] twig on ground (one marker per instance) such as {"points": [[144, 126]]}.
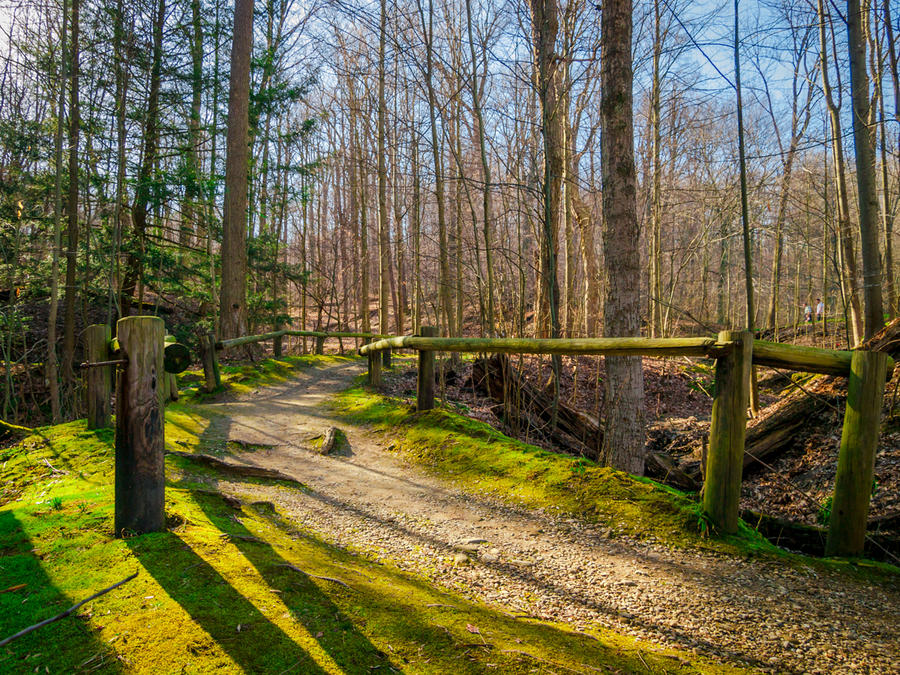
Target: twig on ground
{"points": [[63, 615], [539, 659], [54, 469], [313, 576]]}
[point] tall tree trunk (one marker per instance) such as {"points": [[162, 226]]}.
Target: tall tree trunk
{"points": [[121, 167], [447, 308], [384, 250], [72, 207], [486, 173], [848, 268], [865, 172], [623, 442], [143, 191], [545, 27], [193, 207], [656, 187], [233, 303], [52, 368]]}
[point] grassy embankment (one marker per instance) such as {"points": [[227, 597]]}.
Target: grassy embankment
{"points": [[232, 587]]}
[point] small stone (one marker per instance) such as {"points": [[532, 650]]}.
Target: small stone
{"points": [[461, 559], [489, 558]]}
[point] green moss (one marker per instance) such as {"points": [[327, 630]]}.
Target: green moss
{"points": [[238, 590], [479, 457]]}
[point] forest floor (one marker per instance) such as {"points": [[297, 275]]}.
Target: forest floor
{"points": [[542, 562], [427, 542]]}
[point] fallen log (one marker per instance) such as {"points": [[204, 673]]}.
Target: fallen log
{"points": [[887, 521], [496, 377], [663, 468], [781, 424], [811, 539], [520, 422], [777, 428]]}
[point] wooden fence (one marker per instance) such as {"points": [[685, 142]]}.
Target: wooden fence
{"points": [[145, 359], [735, 354]]}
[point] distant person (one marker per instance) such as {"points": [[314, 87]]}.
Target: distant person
{"points": [[807, 313], [820, 309]]}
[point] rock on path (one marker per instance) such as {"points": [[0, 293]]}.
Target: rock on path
{"points": [[759, 612]]}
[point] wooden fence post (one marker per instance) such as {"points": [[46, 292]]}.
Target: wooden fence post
{"points": [[386, 357], [276, 347], [425, 380], [320, 344], [98, 381], [173, 387], [212, 378], [140, 441], [856, 459], [374, 369], [725, 458]]}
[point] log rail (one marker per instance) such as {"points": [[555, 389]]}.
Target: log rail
{"points": [[735, 354]]}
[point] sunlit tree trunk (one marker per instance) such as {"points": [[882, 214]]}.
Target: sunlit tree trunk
{"points": [[623, 442], [233, 303]]}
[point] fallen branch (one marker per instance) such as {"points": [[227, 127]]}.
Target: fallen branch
{"points": [[7, 429], [313, 576], [54, 469], [71, 609]]}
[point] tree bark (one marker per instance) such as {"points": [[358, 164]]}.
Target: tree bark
{"points": [[233, 302], [865, 172], [72, 207], [623, 442]]}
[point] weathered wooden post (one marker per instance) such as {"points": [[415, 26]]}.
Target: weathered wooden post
{"points": [[856, 459], [98, 380], [140, 442], [725, 458], [425, 381], [320, 344], [212, 378], [276, 346], [374, 368], [386, 357]]}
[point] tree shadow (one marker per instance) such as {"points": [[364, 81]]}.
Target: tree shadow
{"points": [[234, 622], [76, 647], [350, 649], [336, 634]]}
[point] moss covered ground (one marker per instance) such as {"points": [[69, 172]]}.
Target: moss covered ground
{"points": [[230, 586]]}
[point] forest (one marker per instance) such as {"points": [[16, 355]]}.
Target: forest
{"points": [[449, 335], [439, 163]]}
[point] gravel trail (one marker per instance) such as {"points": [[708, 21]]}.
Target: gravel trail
{"points": [[758, 612]]}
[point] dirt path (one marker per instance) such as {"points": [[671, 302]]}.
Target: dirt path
{"points": [[760, 612]]}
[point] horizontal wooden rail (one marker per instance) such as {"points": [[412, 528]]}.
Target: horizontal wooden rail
{"points": [[609, 346], [804, 359], [248, 339]]}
